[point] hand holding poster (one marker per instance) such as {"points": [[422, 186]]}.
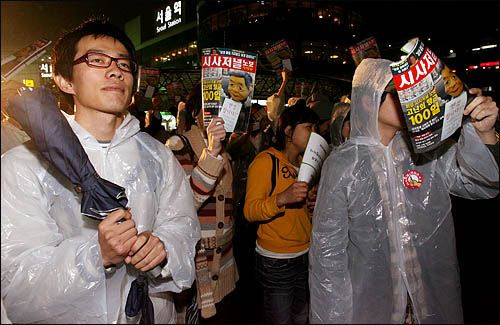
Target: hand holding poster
{"points": [[16, 62], [148, 80], [317, 150], [228, 79], [433, 98], [367, 48], [279, 55]]}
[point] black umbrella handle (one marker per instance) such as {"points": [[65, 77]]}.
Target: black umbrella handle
{"points": [[153, 273]]}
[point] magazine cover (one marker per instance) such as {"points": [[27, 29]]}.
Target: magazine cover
{"points": [[228, 79], [279, 55], [432, 96], [367, 48], [16, 62], [148, 80]]}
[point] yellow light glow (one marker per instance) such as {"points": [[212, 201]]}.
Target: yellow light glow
{"points": [[29, 82], [335, 56], [308, 52]]}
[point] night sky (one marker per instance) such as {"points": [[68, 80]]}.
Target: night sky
{"points": [[448, 22]]}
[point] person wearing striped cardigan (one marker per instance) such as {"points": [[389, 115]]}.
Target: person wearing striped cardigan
{"points": [[207, 166]]}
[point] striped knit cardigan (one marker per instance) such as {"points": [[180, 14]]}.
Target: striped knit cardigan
{"points": [[211, 184]]}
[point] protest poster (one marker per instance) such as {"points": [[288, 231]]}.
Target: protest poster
{"points": [[13, 64], [228, 79], [148, 80], [317, 150], [367, 48], [279, 55], [432, 96]]}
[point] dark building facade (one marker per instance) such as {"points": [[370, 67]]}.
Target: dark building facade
{"points": [[169, 35]]}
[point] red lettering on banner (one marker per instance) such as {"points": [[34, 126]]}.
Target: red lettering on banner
{"points": [[416, 73], [222, 61]]}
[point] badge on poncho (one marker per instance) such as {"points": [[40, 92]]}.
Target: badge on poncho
{"points": [[412, 179]]}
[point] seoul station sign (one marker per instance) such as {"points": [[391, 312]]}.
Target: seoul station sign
{"points": [[169, 16]]}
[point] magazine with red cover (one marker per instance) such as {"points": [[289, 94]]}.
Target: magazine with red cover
{"points": [[367, 48], [432, 96], [13, 64], [228, 80]]}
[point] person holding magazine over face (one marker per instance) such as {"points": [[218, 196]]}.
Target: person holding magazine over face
{"points": [[279, 202], [383, 234], [207, 167]]}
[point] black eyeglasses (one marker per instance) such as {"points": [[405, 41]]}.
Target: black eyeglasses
{"points": [[101, 60]]}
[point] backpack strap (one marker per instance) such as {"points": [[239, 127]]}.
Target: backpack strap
{"points": [[188, 147], [273, 173]]}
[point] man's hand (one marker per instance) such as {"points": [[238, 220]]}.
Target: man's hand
{"points": [[297, 192], [116, 239], [147, 252], [216, 133], [483, 112]]}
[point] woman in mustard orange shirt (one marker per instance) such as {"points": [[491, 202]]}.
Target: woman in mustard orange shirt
{"points": [[276, 200]]}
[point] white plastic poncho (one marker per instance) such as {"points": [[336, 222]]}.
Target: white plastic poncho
{"points": [[11, 136], [51, 263], [374, 239]]}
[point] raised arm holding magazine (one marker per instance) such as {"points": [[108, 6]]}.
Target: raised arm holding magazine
{"points": [[383, 235]]}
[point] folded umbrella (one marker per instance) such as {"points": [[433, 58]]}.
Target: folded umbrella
{"points": [[37, 112]]}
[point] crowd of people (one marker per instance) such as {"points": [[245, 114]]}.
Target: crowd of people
{"points": [[210, 208]]}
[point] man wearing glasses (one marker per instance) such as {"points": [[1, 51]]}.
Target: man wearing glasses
{"points": [[57, 265]]}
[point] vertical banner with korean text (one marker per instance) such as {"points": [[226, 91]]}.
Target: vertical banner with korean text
{"points": [[228, 79], [432, 96]]}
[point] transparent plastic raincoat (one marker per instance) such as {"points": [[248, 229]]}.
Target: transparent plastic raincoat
{"points": [[51, 267], [373, 238]]}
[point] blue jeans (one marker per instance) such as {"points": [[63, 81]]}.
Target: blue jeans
{"points": [[284, 289]]}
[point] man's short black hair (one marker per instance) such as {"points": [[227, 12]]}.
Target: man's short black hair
{"points": [[64, 51]]}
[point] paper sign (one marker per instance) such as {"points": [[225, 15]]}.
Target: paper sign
{"points": [[149, 92], [453, 114], [316, 152], [287, 64], [229, 112]]}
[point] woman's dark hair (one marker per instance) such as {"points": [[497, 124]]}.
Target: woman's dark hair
{"points": [[193, 105], [293, 115], [64, 50]]}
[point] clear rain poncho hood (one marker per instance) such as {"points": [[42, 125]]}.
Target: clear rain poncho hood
{"points": [[374, 239], [51, 270]]}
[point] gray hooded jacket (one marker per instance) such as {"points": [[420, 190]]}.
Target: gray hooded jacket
{"points": [[374, 239]]}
